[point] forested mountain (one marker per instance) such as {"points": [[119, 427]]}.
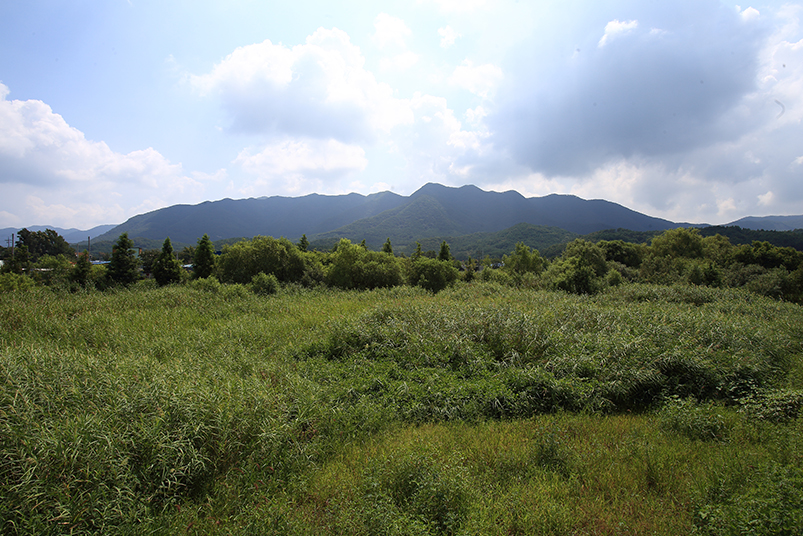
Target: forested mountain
{"points": [[432, 211]]}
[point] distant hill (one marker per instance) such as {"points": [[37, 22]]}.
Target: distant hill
{"points": [[432, 211], [769, 223], [70, 235]]}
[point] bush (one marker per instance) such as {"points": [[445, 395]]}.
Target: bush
{"points": [[264, 284], [432, 274], [206, 284], [10, 282], [686, 417], [420, 488]]}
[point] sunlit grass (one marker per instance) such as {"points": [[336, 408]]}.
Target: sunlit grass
{"points": [[217, 411]]}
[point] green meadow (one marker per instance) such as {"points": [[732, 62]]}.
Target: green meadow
{"points": [[482, 409]]}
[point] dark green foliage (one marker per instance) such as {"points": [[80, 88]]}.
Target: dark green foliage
{"points": [[123, 268], [243, 260], [147, 258], [432, 274], [444, 254], [778, 405], [47, 242], [19, 263], [678, 243], [697, 422], [354, 267], [420, 495], [52, 271], [387, 248], [82, 270], [622, 252], [264, 284], [523, 260], [203, 261], [580, 270], [166, 268], [768, 500], [303, 244]]}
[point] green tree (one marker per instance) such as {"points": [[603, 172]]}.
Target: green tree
{"points": [[19, 263], [353, 267], [524, 260], [147, 259], [417, 253], [186, 255], [303, 244], [167, 269], [677, 243], [124, 266], [433, 274], [82, 269], [47, 242], [240, 262], [444, 254], [387, 248], [203, 263]]}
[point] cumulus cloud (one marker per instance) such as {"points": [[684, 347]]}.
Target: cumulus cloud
{"points": [[320, 89], [480, 79], [301, 164], [390, 31], [399, 62], [448, 36], [461, 6], [615, 28], [649, 94], [54, 174]]}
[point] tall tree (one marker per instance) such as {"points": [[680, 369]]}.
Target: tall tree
{"points": [[80, 274], [167, 269], [444, 254], [387, 248], [47, 242], [203, 263], [303, 244], [124, 266]]}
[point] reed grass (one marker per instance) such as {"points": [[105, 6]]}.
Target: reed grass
{"points": [[208, 409]]}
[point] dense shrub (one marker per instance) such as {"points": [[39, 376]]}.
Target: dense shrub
{"points": [[432, 274], [264, 284], [354, 267]]}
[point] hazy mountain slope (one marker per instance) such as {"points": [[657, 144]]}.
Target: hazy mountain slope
{"points": [[273, 216], [770, 223], [421, 217], [432, 211], [70, 235]]}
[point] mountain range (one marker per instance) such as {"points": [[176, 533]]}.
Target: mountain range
{"points": [[432, 212]]}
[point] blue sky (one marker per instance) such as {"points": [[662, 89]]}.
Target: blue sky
{"points": [[689, 110]]}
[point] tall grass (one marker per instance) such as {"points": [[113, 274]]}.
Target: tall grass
{"points": [[482, 409]]}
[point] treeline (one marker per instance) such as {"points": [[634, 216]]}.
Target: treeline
{"points": [[263, 263]]}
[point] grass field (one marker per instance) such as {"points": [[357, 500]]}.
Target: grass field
{"points": [[482, 409]]}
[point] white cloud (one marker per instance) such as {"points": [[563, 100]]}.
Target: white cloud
{"points": [[749, 13], [450, 6], [399, 62], [390, 31], [53, 173], [294, 164], [448, 36], [480, 80], [320, 89], [616, 28], [766, 199]]}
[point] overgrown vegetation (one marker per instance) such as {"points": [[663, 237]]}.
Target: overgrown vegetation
{"points": [[206, 408], [619, 389]]}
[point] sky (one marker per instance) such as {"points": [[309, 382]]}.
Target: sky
{"points": [[689, 110]]}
